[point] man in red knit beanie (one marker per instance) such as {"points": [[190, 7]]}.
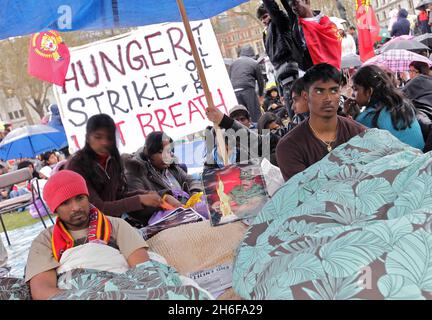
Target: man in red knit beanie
{"points": [[82, 237]]}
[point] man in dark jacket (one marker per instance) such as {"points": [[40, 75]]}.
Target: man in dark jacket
{"points": [[272, 101], [402, 25], [244, 73]]}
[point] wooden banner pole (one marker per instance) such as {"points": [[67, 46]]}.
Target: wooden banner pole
{"points": [[203, 79]]}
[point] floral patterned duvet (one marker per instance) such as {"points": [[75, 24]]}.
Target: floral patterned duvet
{"points": [[355, 225], [148, 281]]}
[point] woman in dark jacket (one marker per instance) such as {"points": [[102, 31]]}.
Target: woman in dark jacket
{"points": [[100, 164], [153, 168]]}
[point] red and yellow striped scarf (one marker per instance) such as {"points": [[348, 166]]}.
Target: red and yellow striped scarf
{"points": [[99, 230]]}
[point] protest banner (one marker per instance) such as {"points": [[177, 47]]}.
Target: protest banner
{"points": [[146, 81]]}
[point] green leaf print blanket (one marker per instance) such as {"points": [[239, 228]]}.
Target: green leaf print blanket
{"points": [[355, 225]]}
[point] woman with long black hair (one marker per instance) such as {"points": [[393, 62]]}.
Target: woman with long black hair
{"points": [[100, 164], [386, 106]]}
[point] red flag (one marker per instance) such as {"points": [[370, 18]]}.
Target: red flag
{"points": [[368, 29], [323, 41], [48, 57]]}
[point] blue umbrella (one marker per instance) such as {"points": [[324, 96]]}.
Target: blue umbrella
{"points": [[30, 141], [29, 16]]}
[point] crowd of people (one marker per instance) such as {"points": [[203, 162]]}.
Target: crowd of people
{"points": [[102, 196]]}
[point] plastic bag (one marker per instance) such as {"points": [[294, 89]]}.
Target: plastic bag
{"points": [[33, 212]]}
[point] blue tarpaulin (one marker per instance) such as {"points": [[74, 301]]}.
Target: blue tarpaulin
{"points": [[30, 16]]}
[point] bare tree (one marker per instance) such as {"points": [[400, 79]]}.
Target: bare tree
{"points": [[248, 10], [31, 92], [15, 81], [344, 9]]}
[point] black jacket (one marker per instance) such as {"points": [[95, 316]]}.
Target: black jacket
{"points": [[402, 25], [245, 71], [268, 101], [140, 174], [253, 149], [419, 91], [283, 39]]}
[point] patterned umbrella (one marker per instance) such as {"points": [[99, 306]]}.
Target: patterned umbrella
{"points": [[397, 60]]}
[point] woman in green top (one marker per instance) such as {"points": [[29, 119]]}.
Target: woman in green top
{"points": [[386, 107]]}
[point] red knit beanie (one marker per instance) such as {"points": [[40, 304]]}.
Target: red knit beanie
{"points": [[62, 186]]}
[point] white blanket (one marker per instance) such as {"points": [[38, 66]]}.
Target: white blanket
{"points": [[105, 258], [93, 256]]}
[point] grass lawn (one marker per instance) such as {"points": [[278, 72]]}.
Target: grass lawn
{"points": [[17, 220]]}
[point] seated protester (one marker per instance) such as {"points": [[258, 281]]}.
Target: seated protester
{"points": [[256, 146], [299, 107], [419, 91], [27, 163], [21, 188], [82, 237], [272, 100], [299, 102], [154, 168], [49, 159], [324, 130], [241, 114], [270, 122], [100, 164], [386, 107], [213, 158]]}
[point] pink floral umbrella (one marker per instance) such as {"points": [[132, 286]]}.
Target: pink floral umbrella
{"points": [[397, 60]]}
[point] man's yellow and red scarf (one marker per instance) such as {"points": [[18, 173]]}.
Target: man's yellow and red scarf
{"points": [[99, 230]]}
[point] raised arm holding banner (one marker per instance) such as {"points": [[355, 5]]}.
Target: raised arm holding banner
{"points": [[146, 80]]}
